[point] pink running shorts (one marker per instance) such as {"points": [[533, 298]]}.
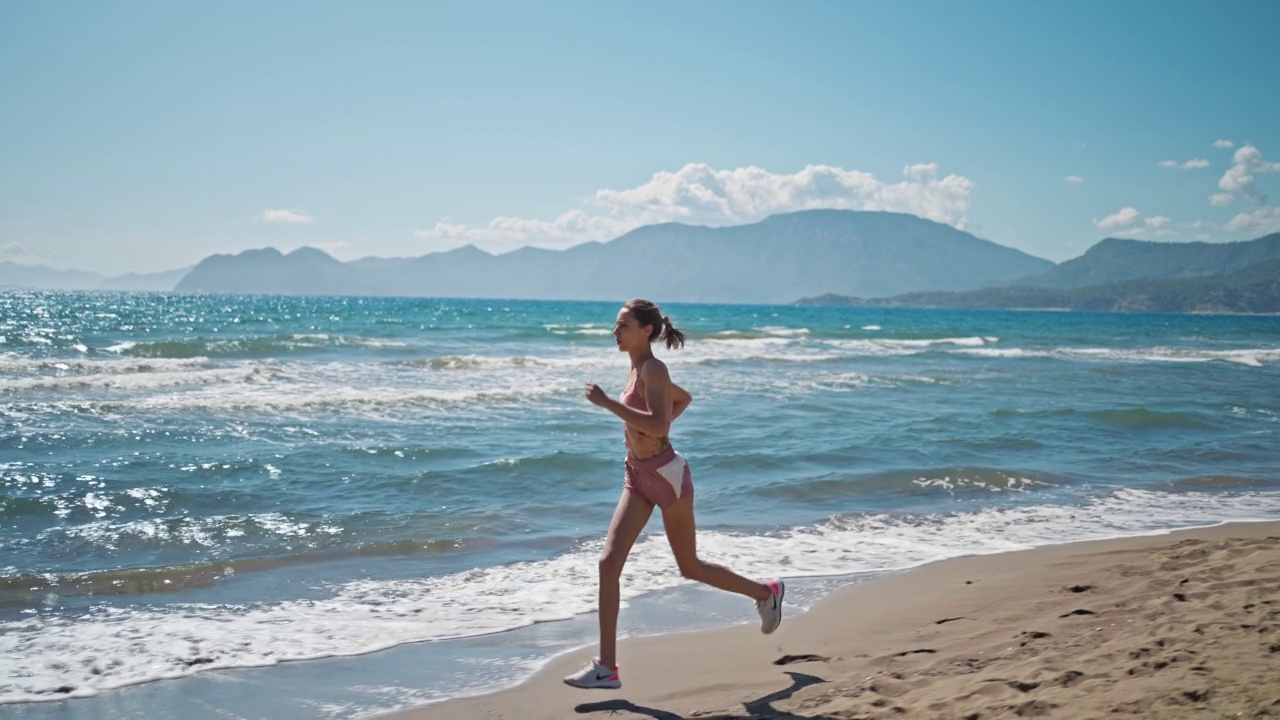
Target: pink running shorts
{"points": [[662, 479]]}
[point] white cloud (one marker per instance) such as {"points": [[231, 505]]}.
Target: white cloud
{"points": [[1123, 217], [1239, 178], [1261, 221], [508, 233], [1074, 179], [1223, 144], [1156, 226], [698, 193], [1221, 199], [14, 251], [287, 217], [1188, 165]]}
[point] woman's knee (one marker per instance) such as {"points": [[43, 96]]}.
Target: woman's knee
{"points": [[611, 564], [693, 569]]}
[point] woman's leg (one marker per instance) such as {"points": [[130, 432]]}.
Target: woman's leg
{"points": [[628, 520], [682, 534]]}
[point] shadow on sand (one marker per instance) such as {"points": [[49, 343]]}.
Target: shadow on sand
{"points": [[758, 709]]}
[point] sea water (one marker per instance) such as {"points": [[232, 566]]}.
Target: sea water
{"points": [[193, 483]]}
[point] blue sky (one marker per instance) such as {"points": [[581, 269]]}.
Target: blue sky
{"points": [[144, 136]]}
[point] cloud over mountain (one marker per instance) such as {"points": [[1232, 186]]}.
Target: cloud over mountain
{"points": [[287, 217], [700, 194], [1124, 217], [1240, 177], [15, 251]]}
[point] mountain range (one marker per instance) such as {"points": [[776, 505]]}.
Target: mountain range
{"points": [[773, 261], [1127, 276], [839, 256], [1115, 260], [18, 275]]}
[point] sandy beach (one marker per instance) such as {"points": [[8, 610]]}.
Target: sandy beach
{"points": [[1180, 625]]}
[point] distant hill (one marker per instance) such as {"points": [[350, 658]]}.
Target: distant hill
{"points": [[1253, 289], [152, 282], [830, 257], [305, 271], [1114, 260], [772, 261], [16, 275]]}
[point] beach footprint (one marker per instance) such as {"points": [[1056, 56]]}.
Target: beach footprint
{"points": [[793, 659]]}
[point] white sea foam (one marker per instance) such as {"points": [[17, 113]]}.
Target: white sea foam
{"points": [[292, 387], [1251, 357], [482, 362], [575, 327], [210, 531], [1006, 483], [1007, 353], [780, 331], [890, 346], [353, 400], [766, 349], [112, 647], [15, 365], [143, 381], [380, 389], [323, 339], [120, 347]]}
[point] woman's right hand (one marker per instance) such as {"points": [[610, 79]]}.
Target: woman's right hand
{"points": [[595, 395]]}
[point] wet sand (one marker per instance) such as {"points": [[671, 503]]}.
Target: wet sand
{"points": [[1180, 625]]}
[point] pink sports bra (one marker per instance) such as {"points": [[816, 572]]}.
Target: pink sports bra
{"points": [[633, 398]]}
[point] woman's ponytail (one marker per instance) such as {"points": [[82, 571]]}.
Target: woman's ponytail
{"points": [[673, 337]]}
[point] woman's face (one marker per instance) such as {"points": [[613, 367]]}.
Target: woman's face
{"points": [[629, 333]]}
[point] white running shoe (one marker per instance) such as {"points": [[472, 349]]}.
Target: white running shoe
{"points": [[770, 609], [595, 675]]}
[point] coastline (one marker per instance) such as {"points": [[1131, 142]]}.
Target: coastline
{"points": [[1164, 625]]}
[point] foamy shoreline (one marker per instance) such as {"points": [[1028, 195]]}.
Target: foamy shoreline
{"points": [[1168, 625]]}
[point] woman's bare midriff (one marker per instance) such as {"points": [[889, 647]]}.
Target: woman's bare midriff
{"points": [[642, 446]]}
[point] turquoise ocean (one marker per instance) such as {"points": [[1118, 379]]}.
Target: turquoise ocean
{"points": [[225, 506]]}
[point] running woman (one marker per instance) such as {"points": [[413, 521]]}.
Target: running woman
{"points": [[655, 475]]}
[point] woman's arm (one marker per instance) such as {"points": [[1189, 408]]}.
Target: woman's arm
{"points": [[680, 400], [657, 389]]}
